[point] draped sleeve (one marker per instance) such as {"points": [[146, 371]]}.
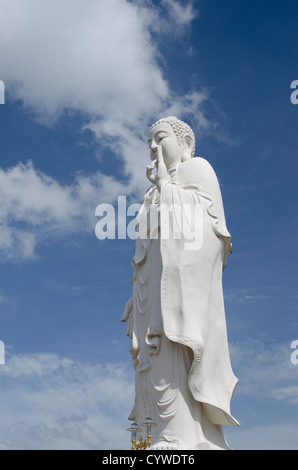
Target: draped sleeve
{"points": [[192, 303]]}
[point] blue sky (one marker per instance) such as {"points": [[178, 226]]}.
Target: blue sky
{"points": [[83, 82]]}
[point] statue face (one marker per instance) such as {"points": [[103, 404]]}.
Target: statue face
{"points": [[163, 135]]}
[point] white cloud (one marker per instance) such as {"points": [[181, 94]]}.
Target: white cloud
{"points": [[48, 401], [92, 56], [96, 57], [36, 207], [101, 59], [53, 402]]}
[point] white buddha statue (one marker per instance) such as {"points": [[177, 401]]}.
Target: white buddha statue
{"points": [[176, 319]]}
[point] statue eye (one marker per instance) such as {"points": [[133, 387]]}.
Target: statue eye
{"points": [[160, 139]]}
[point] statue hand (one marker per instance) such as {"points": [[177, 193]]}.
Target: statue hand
{"points": [[149, 170], [127, 310], [162, 175]]}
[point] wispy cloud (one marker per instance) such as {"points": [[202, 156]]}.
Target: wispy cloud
{"points": [[272, 437], [3, 299], [266, 396], [252, 295], [63, 288], [289, 394], [263, 366], [53, 402], [180, 14]]}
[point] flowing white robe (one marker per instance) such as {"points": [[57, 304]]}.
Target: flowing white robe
{"points": [[184, 379]]}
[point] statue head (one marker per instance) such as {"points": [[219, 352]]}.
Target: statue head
{"points": [[174, 128]]}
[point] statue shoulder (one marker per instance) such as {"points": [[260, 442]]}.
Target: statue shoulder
{"points": [[198, 169]]}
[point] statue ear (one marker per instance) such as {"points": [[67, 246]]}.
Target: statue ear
{"points": [[188, 144]]}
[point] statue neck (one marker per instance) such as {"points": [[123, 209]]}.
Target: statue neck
{"points": [[172, 170]]}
